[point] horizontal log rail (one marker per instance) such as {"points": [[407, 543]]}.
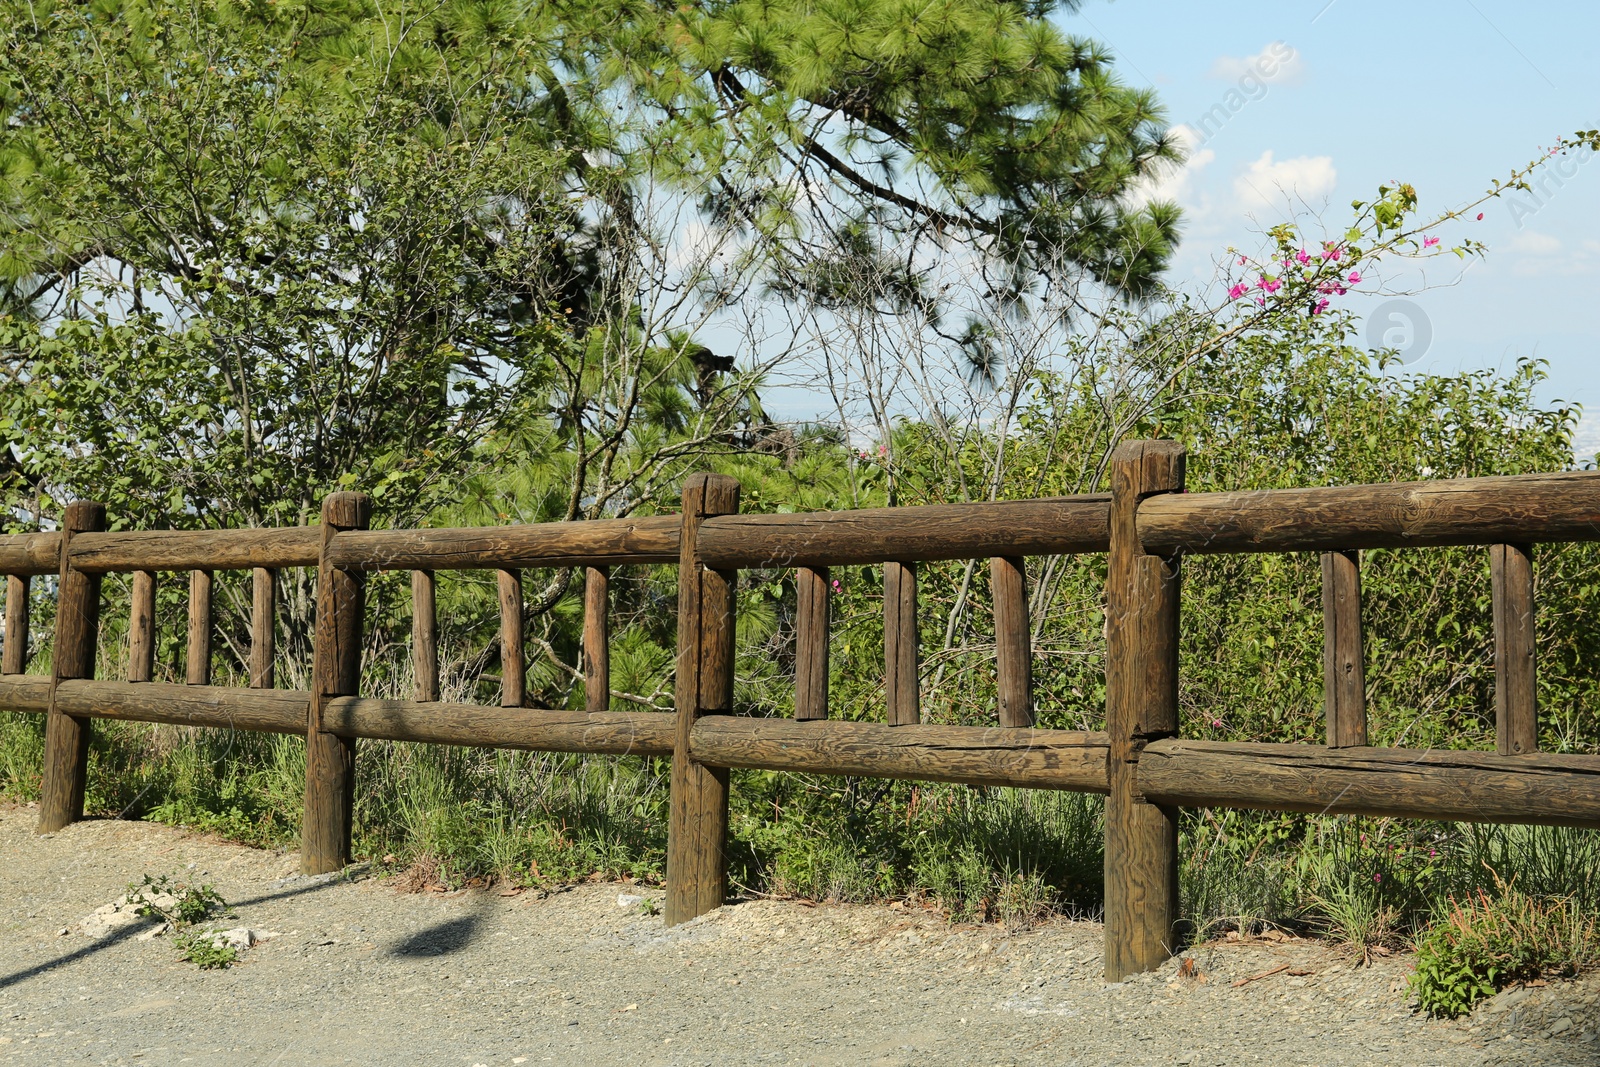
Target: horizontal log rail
{"points": [[976, 755], [195, 550], [615, 733], [25, 692], [25, 555], [1454, 785], [908, 534], [1563, 506], [595, 543]]}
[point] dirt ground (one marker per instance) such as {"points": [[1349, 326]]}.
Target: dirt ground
{"points": [[362, 973]]}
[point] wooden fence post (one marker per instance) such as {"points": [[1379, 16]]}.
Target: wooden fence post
{"points": [[902, 692], [263, 627], [1344, 682], [15, 657], [513, 685], [596, 639], [199, 650], [142, 627], [1516, 707], [424, 636], [335, 671], [66, 737], [812, 589], [1013, 640], [1141, 862], [697, 831]]}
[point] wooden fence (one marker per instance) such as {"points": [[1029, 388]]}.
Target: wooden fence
{"points": [[1146, 525]]}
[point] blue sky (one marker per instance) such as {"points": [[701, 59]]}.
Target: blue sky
{"points": [[1444, 95]]}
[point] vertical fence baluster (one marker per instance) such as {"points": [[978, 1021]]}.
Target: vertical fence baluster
{"points": [[811, 590], [15, 658], [142, 627], [1516, 709], [512, 672], [596, 639], [900, 644], [199, 672], [66, 737], [698, 826], [263, 627], [424, 636], [1343, 675], [1012, 640], [1142, 603], [335, 671]]}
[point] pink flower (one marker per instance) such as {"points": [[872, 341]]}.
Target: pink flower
{"points": [[1261, 301], [1354, 278], [1216, 724], [883, 450], [1243, 261], [837, 585], [1320, 306], [1429, 242], [1480, 216], [1302, 258], [1237, 291], [1377, 878]]}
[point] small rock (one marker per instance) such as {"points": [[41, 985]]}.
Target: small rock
{"points": [[63, 932], [629, 900], [1562, 1025], [240, 938]]}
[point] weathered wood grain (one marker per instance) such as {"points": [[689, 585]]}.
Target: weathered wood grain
{"points": [[424, 636], [142, 627], [901, 645], [1142, 598], [601, 542], [197, 550], [66, 739], [25, 692], [263, 627], [14, 659], [812, 591], [596, 639], [279, 711], [613, 733], [977, 755], [29, 554], [335, 671], [697, 829], [1013, 640], [907, 534], [513, 679], [199, 648], [1516, 706], [1563, 506], [1344, 679], [1536, 787]]}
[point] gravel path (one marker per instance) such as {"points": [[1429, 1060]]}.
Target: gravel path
{"points": [[361, 973]]}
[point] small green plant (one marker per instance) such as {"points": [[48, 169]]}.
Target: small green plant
{"points": [[649, 907], [175, 902], [181, 905], [205, 950], [1488, 942]]}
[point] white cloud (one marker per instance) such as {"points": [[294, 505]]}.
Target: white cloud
{"points": [[1268, 181], [1533, 243], [1176, 183], [1276, 64]]}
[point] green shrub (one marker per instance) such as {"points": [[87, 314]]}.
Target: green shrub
{"points": [[1486, 943]]}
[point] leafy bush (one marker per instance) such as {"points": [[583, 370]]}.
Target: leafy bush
{"points": [[1485, 943]]}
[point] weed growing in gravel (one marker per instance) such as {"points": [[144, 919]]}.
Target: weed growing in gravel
{"points": [[1484, 943], [205, 950], [174, 902]]}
